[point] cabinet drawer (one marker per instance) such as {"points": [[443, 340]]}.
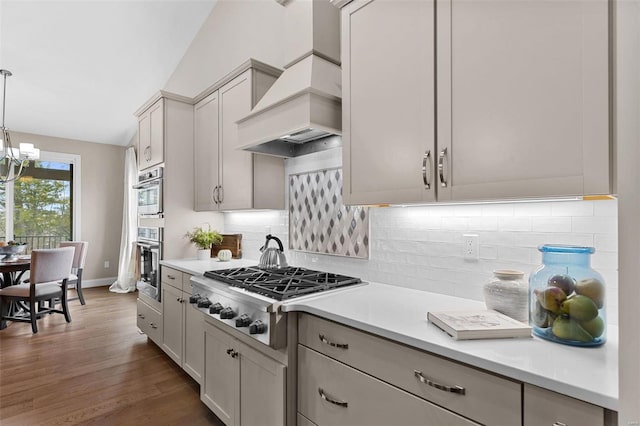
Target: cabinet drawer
{"points": [[543, 407], [172, 277], [487, 398], [149, 321], [331, 393]]}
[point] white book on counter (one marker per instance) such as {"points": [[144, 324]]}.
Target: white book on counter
{"points": [[478, 324]]}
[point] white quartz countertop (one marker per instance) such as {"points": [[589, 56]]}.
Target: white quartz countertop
{"points": [[399, 314], [199, 267]]}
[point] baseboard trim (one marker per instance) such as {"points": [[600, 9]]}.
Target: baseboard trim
{"points": [[100, 282]]}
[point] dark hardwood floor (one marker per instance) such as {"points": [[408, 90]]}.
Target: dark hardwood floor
{"points": [[96, 370]]}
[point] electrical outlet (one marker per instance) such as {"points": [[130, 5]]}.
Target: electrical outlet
{"points": [[106, 264], [470, 247]]}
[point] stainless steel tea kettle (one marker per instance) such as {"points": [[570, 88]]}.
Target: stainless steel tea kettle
{"points": [[272, 257]]}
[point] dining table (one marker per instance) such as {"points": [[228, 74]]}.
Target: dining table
{"points": [[12, 270]]}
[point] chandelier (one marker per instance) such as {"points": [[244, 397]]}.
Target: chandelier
{"points": [[12, 158]]}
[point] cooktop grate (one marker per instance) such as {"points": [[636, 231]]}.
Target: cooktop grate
{"points": [[281, 284]]}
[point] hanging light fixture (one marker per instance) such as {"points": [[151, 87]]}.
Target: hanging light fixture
{"points": [[11, 157]]}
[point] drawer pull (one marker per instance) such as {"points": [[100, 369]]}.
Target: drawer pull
{"points": [[441, 157], [335, 345], [153, 325], [425, 159], [333, 401], [141, 316], [171, 277], [559, 424], [453, 389]]}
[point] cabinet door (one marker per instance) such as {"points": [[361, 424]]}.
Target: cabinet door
{"points": [[523, 98], [156, 125], [206, 157], [262, 389], [220, 387], [173, 324], [236, 166], [144, 140], [388, 101], [543, 407], [193, 341]]}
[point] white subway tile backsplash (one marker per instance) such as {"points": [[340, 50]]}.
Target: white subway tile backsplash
{"points": [[597, 225], [608, 208], [421, 247], [572, 208], [551, 224], [520, 224]]}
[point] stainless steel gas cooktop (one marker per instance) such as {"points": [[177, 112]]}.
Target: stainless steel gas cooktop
{"points": [[281, 284]]}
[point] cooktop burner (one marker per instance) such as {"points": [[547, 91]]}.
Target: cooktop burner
{"points": [[281, 284]]}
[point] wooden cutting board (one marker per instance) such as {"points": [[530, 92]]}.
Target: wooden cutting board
{"points": [[231, 242]]}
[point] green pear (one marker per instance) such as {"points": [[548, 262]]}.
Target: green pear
{"points": [[579, 307], [594, 327], [551, 298], [568, 329], [593, 289]]}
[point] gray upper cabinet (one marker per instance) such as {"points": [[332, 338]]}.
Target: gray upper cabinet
{"points": [[388, 101], [523, 101], [225, 176], [151, 135], [487, 100]]}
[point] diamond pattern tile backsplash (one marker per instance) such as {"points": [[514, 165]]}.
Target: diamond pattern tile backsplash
{"points": [[319, 221]]}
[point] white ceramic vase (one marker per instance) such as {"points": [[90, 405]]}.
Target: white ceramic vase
{"points": [[204, 254]]}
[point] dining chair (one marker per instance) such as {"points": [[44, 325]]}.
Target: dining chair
{"points": [[75, 278], [50, 269]]}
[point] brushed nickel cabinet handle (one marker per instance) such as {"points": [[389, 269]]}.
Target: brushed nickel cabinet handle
{"points": [[215, 195], [232, 353], [333, 401], [153, 325], [141, 316], [335, 345], [453, 389], [441, 157], [559, 424], [171, 277], [178, 300], [427, 159], [221, 194]]}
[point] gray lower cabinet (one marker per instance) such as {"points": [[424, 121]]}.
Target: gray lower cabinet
{"points": [[332, 393], [544, 407], [149, 321], [182, 332], [240, 385], [349, 377]]}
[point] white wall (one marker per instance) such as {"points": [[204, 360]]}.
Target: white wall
{"points": [[421, 247], [235, 31], [102, 183]]}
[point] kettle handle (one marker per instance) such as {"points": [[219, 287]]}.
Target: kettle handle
{"points": [[277, 240]]}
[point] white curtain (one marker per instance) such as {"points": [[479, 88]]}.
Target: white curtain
{"points": [[126, 281]]}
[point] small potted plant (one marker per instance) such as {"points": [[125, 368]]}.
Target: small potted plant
{"points": [[204, 239]]}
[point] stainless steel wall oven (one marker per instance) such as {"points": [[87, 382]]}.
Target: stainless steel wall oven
{"points": [[150, 245]]}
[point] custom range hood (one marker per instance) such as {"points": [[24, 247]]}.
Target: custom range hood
{"points": [[302, 109]]}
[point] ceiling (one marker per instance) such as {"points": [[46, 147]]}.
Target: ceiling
{"points": [[81, 68]]}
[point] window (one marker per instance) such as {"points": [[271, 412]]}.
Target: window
{"points": [[40, 208]]}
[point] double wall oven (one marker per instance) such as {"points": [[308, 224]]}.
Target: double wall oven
{"points": [[149, 241]]}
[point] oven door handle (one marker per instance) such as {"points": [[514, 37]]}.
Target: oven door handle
{"points": [[148, 246], [147, 184]]}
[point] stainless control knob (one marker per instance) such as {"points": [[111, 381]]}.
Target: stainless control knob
{"points": [[257, 327], [215, 308], [227, 313], [243, 321]]}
